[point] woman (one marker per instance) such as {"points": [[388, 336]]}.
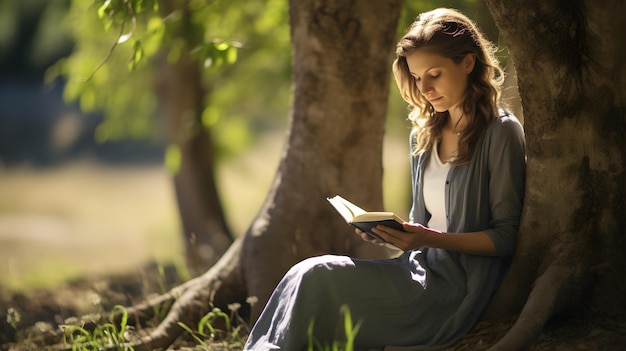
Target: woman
{"points": [[468, 177]]}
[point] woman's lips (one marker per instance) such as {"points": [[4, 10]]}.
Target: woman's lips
{"points": [[434, 100]]}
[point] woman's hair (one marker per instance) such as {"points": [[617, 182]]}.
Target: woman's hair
{"points": [[451, 34]]}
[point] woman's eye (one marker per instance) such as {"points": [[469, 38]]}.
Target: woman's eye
{"points": [[435, 75]]}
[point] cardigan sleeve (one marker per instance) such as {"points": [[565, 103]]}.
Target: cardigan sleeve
{"points": [[414, 184], [418, 213], [507, 172]]}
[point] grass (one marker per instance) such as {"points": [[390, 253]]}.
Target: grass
{"points": [[86, 218], [205, 335], [104, 336], [83, 218]]}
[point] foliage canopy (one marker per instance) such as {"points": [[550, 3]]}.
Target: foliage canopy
{"points": [[117, 41]]}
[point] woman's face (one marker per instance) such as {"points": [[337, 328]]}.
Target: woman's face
{"points": [[441, 81]]}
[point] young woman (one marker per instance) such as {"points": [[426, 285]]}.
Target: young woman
{"points": [[468, 177]]}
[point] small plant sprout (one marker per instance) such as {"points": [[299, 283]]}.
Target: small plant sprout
{"points": [[13, 317], [106, 336], [206, 329], [349, 330], [252, 300]]}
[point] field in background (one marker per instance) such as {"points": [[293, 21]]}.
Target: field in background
{"points": [[87, 218]]}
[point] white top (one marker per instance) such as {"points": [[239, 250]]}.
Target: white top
{"points": [[435, 175]]}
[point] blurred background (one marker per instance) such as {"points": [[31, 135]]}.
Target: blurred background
{"points": [[69, 205], [85, 174]]}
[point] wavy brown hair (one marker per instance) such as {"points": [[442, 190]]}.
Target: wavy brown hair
{"points": [[449, 33]]}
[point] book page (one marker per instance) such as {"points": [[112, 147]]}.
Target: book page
{"points": [[377, 216], [363, 220], [346, 209]]}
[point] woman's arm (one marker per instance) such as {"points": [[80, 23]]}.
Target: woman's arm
{"points": [[506, 191], [416, 236]]}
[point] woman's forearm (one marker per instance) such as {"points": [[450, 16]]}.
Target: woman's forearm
{"points": [[475, 243]]}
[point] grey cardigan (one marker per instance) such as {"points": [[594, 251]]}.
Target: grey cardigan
{"points": [[486, 194]]}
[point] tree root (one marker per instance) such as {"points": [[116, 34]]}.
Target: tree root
{"points": [[190, 301], [197, 297], [561, 284], [197, 300]]}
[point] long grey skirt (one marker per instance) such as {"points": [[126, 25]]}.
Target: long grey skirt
{"points": [[422, 300]]}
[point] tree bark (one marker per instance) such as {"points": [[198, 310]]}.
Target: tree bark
{"points": [[569, 59], [342, 54]]}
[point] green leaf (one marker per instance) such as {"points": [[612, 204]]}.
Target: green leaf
{"points": [[137, 55], [155, 23], [103, 10], [108, 23], [210, 117], [88, 100], [173, 158], [223, 46], [231, 55]]}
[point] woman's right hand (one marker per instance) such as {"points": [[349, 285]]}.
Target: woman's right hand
{"points": [[373, 240], [368, 237]]}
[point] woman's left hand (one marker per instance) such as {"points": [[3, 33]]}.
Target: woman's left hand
{"points": [[414, 235]]}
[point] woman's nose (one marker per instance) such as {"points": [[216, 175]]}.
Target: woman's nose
{"points": [[426, 89]]}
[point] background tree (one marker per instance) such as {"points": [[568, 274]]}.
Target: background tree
{"points": [[172, 49]]}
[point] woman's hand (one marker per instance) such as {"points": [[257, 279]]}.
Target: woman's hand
{"points": [[365, 236], [416, 236], [413, 236]]}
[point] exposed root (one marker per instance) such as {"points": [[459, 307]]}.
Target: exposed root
{"points": [[145, 311], [197, 300], [562, 283]]}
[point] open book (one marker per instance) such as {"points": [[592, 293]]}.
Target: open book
{"points": [[364, 220]]}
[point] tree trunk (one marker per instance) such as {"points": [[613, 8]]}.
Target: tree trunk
{"points": [[181, 95], [342, 55], [570, 59]]}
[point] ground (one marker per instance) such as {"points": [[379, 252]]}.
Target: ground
{"points": [[41, 311], [97, 295]]}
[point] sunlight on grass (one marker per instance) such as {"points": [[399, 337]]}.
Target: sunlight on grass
{"points": [[86, 218], [244, 181], [57, 270], [83, 218]]}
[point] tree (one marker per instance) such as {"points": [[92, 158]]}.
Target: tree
{"points": [[570, 64], [181, 91], [174, 53]]}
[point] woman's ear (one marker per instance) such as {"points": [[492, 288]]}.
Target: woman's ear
{"points": [[468, 63]]}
